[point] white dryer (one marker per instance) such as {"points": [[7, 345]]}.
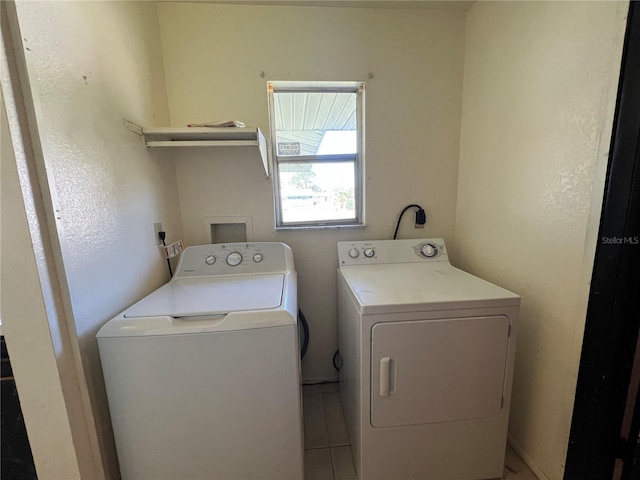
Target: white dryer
{"points": [[428, 353], [203, 375]]}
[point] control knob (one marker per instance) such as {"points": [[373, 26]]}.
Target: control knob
{"points": [[210, 260], [369, 252], [257, 257], [234, 259], [354, 253], [429, 250]]}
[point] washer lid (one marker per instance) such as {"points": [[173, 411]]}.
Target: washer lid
{"points": [[186, 297], [390, 288]]}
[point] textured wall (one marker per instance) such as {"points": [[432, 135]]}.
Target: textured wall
{"points": [[90, 64], [539, 90], [213, 56]]}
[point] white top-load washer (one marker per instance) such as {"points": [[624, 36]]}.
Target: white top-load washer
{"points": [[203, 375], [428, 353]]}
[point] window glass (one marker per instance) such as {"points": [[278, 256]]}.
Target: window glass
{"points": [[321, 190]]}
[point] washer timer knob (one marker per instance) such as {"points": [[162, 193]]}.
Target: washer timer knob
{"points": [[369, 252], [429, 250], [234, 259], [354, 253], [210, 260]]}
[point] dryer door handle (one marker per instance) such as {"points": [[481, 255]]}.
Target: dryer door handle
{"points": [[385, 376]]}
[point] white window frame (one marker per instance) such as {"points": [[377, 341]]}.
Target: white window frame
{"points": [[358, 158]]}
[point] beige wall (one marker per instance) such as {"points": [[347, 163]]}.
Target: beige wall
{"points": [[539, 91], [89, 65], [213, 56]]}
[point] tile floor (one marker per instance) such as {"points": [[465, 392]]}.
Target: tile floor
{"points": [[327, 452]]}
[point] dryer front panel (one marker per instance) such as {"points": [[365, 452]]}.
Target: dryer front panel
{"points": [[444, 370]]}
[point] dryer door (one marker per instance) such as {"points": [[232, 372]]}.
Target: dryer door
{"points": [[431, 371]]}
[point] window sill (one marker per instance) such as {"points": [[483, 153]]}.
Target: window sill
{"points": [[319, 227]]}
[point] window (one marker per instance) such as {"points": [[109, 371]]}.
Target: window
{"points": [[317, 139]]}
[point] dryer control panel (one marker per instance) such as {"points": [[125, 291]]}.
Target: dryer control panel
{"points": [[235, 259], [371, 252]]}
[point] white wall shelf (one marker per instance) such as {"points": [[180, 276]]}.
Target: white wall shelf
{"points": [[207, 137]]}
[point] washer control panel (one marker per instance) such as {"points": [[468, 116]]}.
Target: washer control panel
{"points": [[370, 252], [235, 259]]}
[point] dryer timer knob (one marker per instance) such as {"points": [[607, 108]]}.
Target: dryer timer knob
{"points": [[369, 252], [429, 250]]}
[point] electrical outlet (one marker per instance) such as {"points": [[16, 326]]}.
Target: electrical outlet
{"points": [[421, 218], [157, 228]]}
